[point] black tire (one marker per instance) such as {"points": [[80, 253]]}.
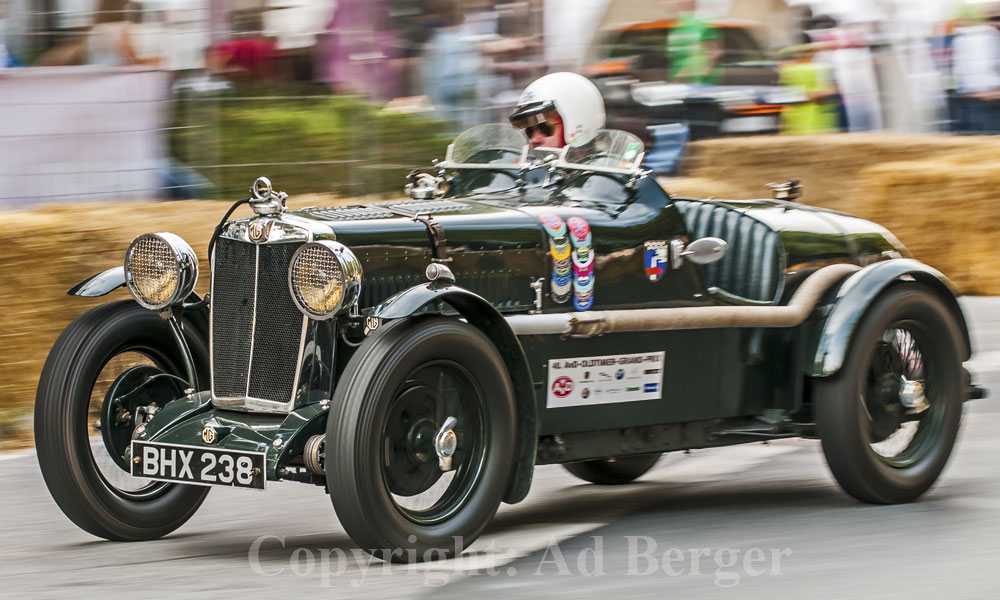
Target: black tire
{"points": [[908, 332], [380, 466], [613, 471], [83, 489]]}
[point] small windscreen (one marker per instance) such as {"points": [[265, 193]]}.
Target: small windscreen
{"points": [[493, 144], [610, 148]]}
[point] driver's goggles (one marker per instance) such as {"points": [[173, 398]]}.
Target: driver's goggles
{"points": [[543, 121], [545, 128]]}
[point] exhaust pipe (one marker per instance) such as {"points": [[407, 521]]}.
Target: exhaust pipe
{"points": [[589, 324]]}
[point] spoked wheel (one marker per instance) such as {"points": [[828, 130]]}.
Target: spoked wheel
{"points": [[120, 399], [896, 399], [613, 471], [423, 439], [440, 403], [112, 367], [889, 419]]}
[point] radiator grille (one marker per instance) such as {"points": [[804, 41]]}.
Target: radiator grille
{"points": [[232, 317], [279, 327], [256, 331]]}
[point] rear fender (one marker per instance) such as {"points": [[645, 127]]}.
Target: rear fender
{"points": [[857, 294], [481, 314]]}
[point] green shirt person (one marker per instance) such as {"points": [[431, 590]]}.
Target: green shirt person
{"points": [[816, 113], [693, 50]]}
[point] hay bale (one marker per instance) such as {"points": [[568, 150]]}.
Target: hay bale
{"points": [[934, 192], [829, 166], [944, 212]]}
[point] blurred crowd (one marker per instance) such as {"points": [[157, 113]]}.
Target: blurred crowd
{"points": [[849, 65], [862, 66], [872, 74]]}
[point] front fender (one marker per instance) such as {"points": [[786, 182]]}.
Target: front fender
{"points": [[481, 314], [858, 292], [99, 284]]}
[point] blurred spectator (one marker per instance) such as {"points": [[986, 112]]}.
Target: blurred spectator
{"points": [[357, 51], [976, 103], [816, 113], [109, 41], [452, 68], [149, 34], [693, 47], [247, 58], [911, 87], [845, 51]]}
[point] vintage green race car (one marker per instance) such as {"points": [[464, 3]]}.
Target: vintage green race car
{"points": [[420, 357]]}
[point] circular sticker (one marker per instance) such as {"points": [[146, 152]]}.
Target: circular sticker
{"points": [[562, 387], [583, 259], [560, 252], [583, 284], [553, 225], [583, 270], [561, 284], [579, 230]]}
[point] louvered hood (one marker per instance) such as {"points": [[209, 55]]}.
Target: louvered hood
{"points": [[495, 251]]}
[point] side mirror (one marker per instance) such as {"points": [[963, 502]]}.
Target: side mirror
{"points": [[703, 251]]}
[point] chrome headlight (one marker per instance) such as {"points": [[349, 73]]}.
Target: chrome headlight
{"points": [[324, 278], [160, 270]]}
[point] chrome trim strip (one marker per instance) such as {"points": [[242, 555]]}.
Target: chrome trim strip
{"points": [[283, 228], [298, 361], [211, 327], [253, 320], [189, 369], [251, 404]]}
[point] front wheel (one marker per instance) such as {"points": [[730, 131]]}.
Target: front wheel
{"points": [[112, 365], [889, 418], [613, 471], [422, 438]]}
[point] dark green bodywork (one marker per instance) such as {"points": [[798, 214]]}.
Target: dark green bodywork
{"points": [[497, 248]]}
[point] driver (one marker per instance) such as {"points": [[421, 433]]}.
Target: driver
{"points": [[559, 109]]}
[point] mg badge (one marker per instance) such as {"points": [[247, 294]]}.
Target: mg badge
{"points": [[208, 434], [259, 231]]}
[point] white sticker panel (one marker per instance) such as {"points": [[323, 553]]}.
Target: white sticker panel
{"points": [[591, 380]]}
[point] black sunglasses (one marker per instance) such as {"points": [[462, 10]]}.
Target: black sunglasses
{"points": [[545, 128]]}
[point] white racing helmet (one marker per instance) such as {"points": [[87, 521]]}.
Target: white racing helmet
{"points": [[573, 97]]}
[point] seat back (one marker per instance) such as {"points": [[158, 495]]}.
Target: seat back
{"points": [[753, 266]]}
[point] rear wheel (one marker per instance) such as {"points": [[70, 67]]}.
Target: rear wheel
{"points": [[889, 418], [613, 471], [107, 369], [418, 395]]}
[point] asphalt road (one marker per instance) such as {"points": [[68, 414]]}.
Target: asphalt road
{"points": [[754, 521]]}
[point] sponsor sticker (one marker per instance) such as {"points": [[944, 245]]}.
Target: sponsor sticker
{"points": [[657, 257], [592, 380], [630, 155], [562, 387]]}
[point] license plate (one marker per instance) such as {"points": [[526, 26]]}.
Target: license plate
{"points": [[197, 465]]}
